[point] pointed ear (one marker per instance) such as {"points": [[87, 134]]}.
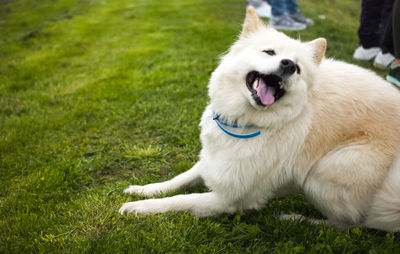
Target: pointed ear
{"points": [[318, 46], [251, 23]]}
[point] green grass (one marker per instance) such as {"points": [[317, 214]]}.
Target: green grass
{"points": [[96, 95]]}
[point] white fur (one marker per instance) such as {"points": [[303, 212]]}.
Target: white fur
{"points": [[384, 211], [332, 136]]}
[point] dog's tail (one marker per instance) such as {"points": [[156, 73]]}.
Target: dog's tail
{"points": [[384, 213]]}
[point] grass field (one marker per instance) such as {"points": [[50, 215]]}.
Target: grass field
{"points": [[96, 95]]}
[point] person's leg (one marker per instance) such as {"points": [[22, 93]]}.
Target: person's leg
{"points": [[278, 7], [385, 57], [370, 19], [282, 20], [396, 30], [294, 13], [369, 30], [291, 6], [394, 72], [386, 42]]}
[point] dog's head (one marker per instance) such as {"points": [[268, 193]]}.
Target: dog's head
{"points": [[265, 78]]}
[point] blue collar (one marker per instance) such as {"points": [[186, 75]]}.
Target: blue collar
{"points": [[219, 122]]}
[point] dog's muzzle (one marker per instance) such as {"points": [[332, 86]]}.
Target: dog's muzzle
{"points": [[267, 89]]}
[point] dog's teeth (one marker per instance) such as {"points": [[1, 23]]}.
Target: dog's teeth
{"points": [[255, 84]]}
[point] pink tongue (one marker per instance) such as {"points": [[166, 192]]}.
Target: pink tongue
{"points": [[266, 93]]}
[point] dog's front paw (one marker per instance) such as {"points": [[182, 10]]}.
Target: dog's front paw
{"points": [[148, 190], [138, 207], [135, 189], [292, 217], [299, 217]]}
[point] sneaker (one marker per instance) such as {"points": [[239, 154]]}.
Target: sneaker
{"points": [[394, 75], [263, 10], [383, 61], [285, 22], [299, 18], [364, 54]]}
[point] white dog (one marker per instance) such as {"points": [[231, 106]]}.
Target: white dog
{"points": [[283, 119]]}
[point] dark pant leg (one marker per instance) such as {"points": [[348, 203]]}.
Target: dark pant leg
{"points": [[396, 28], [386, 42], [370, 20]]}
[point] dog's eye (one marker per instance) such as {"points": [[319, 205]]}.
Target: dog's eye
{"points": [[270, 52]]}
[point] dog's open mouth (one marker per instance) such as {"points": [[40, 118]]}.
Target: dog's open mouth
{"points": [[266, 89]]}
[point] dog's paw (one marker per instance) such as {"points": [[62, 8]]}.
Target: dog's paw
{"points": [[292, 216], [300, 218], [135, 189], [138, 207], [148, 190]]}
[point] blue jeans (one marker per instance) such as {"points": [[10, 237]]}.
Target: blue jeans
{"points": [[279, 7]]}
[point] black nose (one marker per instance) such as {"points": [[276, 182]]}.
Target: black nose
{"points": [[288, 66]]}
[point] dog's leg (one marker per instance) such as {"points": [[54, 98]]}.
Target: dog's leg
{"points": [[299, 217], [199, 204], [188, 178], [384, 211], [343, 183]]}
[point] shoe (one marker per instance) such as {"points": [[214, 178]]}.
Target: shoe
{"points": [[299, 18], [263, 10], [383, 61], [285, 22], [394, 75], [364, 54]]}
